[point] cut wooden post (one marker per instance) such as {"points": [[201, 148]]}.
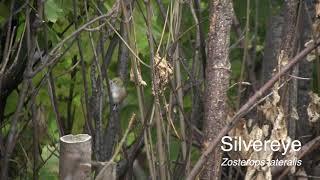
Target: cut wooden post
{"points": [[75, 157]]}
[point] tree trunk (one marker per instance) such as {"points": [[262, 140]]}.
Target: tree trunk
{"points": [[287, 51], [304, 131], [273, 41], [217, 82]]}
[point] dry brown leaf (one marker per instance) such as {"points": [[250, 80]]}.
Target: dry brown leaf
{"points": [[262, 172], [269, 108], [140, 81], [261, 175], [313, 109], [205, 145], [279, 131], [275, 95], [265, 130], [240, 130], [311, 57], [309, 43], [282, 59], [250, 174]]}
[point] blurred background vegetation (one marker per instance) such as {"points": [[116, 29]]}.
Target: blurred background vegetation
{"points": [[58, 22]]}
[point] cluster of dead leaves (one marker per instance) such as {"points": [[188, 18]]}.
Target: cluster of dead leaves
{"points": [[273, 112], [163, 71]]}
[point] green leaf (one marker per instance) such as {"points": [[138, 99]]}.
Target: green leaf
{"points": [[130, 138], [52, 11]]}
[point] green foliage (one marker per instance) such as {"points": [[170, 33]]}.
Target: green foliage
{"points": [[53, 11], [50, 170], [4, 13]]}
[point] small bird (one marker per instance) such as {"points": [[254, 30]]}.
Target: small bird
{"points": [[118, 90]]}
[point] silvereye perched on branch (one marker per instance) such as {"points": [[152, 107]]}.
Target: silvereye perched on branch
{"points": [[118, 90]]}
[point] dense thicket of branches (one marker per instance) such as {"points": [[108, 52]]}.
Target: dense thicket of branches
{"points": [[157, 84]]}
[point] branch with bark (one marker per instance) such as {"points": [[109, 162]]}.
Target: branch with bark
{"points": [[217, 83]]}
